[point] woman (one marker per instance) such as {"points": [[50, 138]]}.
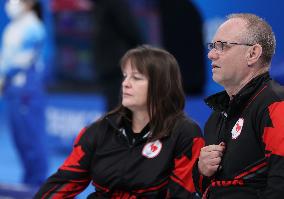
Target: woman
{"points": [[146, 148], [21, 85]]}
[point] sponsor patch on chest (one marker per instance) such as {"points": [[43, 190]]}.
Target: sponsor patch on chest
{"points": [[237, 129], [152, 149]]}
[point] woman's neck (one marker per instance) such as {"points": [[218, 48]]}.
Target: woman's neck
{"points": [[139, 121]]}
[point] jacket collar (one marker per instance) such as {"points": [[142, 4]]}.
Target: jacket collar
{"points": [[221, 102], [122, 125]]}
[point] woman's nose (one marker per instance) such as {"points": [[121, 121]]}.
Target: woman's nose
{"points": [[125, 82]]}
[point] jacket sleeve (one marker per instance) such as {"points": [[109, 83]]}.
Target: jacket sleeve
{"points": [[273, 138], [181, 184], [73, 175], [201, 182]]}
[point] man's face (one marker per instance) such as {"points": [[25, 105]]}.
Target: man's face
{"points": [[229, 66]]}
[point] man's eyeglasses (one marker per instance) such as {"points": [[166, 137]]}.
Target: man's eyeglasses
{"points": [[219, 45]]}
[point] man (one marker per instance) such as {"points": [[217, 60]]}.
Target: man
{"points": [[244, 152]]}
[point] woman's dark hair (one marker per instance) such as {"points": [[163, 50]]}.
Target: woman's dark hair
{"points": [[36, 6], [165, 97], [38, 9]]}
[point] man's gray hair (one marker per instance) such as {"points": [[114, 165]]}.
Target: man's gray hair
{"points": [[258, 32]]}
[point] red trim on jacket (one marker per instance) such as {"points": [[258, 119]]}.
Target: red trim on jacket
{"points": [[200, 183], [152, 188], [252, 170], [256, 96], [123, 195], [67, 168], [182, 173], [273, 136], [71, 189], [100, 187], [139, 191], [48, 192], [226, 183], [73, 160], [127, 195], [80, 135]]}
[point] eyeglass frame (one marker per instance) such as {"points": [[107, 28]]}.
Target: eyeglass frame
{"points": [[211, 45]]}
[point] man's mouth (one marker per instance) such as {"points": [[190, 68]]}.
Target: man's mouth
{"points": [[215, 66]]}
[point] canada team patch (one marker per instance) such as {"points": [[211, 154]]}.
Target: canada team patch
{"points": [[152, 149], [237, 129]]}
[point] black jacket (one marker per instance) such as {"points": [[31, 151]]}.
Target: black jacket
{"points": [[252, 126], [121, 168]]}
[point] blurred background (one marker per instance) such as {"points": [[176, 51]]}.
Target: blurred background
{"points": [[79, 76]]}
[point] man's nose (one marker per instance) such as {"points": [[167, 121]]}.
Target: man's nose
{"points": [[213, 54]]}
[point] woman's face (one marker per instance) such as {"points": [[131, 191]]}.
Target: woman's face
{"points": [[134, 88], [15, 8]]}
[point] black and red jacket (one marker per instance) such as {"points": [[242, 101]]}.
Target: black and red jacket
{"points": [[252, 126], [104, 155]]}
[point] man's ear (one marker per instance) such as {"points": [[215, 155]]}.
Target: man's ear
{"points": [[253, 54]]}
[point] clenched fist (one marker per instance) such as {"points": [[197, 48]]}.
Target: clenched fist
{"points": [[210, 159]]}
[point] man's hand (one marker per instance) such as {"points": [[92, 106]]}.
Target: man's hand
{"points": [[210, 158]]}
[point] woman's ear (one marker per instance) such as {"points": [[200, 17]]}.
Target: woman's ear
{"points": [[253, 54]]}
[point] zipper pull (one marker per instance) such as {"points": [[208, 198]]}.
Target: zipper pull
{"points": [[224, 114]]}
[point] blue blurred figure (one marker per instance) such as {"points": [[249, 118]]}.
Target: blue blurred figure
{"points": [[22, 88]]}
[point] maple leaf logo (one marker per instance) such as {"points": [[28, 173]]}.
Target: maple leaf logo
{"points": [[238, 127], [273, 136], [153, 147]]}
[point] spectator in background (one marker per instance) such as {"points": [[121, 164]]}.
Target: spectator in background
{"points": [[145, 148], [21, 86], [181, 32], [116, 31]]}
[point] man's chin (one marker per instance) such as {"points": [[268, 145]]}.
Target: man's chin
{"points": [[217, 79]]}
